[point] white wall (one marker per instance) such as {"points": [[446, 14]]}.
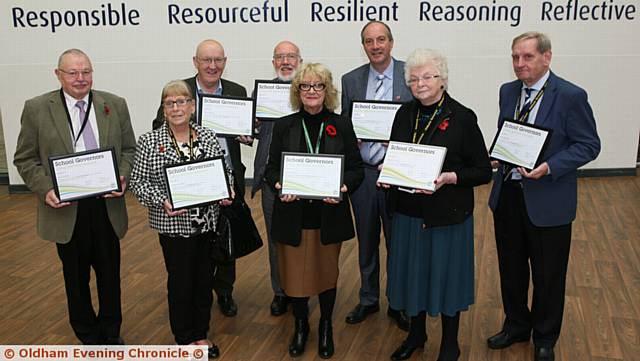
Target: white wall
{"points": [[136, 61]]}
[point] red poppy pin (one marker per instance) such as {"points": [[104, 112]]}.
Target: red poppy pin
{"points": [[106, 110], [161, 148], [444, 125], [331, 130]]}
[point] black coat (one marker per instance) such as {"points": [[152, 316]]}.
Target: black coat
{"points": [[336, 224], [466, 156]]}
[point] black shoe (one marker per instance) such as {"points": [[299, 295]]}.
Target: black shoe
{"points": [[279, 305], [325, 339], [504, 339], [405, 351], [227, 305], [360, 313], [213, 351], [543, 354], [114, 341], [300, 337], [449, 354], [402, 320]]}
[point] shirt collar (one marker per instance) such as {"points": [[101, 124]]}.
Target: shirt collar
{"points": [[217, 92], [388, 72], [71, 101], [538, 85]]}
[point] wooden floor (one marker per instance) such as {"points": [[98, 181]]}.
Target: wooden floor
{"points": [[602, 312]]}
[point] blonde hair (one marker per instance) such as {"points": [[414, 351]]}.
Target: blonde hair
{"points": [[314, 70], [174, 88]]}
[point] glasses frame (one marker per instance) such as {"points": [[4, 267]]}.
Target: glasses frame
{"points": [[426, 78], [74, 73], [170, 103], [208, 61], [288, 56], [318, 87]]}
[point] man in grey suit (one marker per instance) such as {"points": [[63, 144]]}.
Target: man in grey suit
{"points": [[210, 61], [286, 59], [533, 210], [87, 232], [381, 79]]}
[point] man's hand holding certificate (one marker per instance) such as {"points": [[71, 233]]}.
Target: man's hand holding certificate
{"points": [[412, 166]]}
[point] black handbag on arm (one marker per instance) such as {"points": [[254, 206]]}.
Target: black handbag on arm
{"points": [[236, 233]]}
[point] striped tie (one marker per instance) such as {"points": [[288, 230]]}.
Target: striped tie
{"points": [[376, 151], [87, 133]]}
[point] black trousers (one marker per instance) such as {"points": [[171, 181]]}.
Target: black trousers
{"points": [[524, 248], [189, 269], [224, 276], [93, 244]]}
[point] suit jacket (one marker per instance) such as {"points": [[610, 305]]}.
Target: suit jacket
{"points": [[466, 156], [354, 86], [45, 133], [552, 199], [336, 224], [262, 153], [148, 183], [229, 88]]}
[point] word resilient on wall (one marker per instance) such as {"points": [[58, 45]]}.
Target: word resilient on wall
{"points": [[266, 11]]}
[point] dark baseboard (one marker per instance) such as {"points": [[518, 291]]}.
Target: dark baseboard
{"points": [[4, 178], [610, 172], [18, 188]]}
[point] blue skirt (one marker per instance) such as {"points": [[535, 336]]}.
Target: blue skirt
{"points": [[430, 269]]}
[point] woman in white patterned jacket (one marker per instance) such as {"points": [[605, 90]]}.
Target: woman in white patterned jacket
{"points": [[185, 235]]}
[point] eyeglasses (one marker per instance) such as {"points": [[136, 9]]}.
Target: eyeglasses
{"points": [[208, 61], [74, 73], [290, 57], [306, 87], [425, 78], [180, 102]]}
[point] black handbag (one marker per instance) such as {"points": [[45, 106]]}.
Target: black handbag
{"points": [[236, 233]]}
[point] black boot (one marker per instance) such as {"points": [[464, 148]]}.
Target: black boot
{"points": [[300, 336], [325, 339], [449, 349], [415, 340]]}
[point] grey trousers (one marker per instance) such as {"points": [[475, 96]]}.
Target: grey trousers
{"points": [[268, 198]]}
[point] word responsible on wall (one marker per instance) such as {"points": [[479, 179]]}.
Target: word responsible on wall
{"points": [[268, 11]]}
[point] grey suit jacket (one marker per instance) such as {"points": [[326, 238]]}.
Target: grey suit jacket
{"points": [[45, 132], [354, 86]]}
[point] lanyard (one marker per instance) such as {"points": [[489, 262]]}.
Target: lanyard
{"points": [[84, 121], [415, 130], [522, 117], [306, 137], [177, 148]]}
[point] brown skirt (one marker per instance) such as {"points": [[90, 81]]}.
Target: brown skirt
{"points": [[310, 268]]}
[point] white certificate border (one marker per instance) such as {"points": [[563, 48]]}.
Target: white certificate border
{"points": [[179, 165], [377, 140], [433, 189], [535, 126], [309, 155], [116, 173], [245, 99], [255, 86]]}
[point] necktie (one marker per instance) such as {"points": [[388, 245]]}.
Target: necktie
{"points": [[376, 151], [527, 103], [87, 134]]}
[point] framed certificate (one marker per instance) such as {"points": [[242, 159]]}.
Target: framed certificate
{"points": [[413, 166], [272, 99], [312, 176], [85, 174], [520, 144], [372, 120], [197, 183], [228, 116]]}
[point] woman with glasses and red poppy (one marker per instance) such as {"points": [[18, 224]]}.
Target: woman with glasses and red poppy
{"points": [[309, 232], [431, 262]]}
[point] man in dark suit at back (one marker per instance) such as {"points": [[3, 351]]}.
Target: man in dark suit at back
{"points": [[380, 79], [210, 62], [286, 59], [533, 210]]}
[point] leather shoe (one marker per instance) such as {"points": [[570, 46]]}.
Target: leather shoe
{"points": [[227, 305], [114, 341], [325, 339], [405, 351], [543, 354], [505, 339], [213, 351], [402, 320], [360, 313], [300, 337], [279, 305]]}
